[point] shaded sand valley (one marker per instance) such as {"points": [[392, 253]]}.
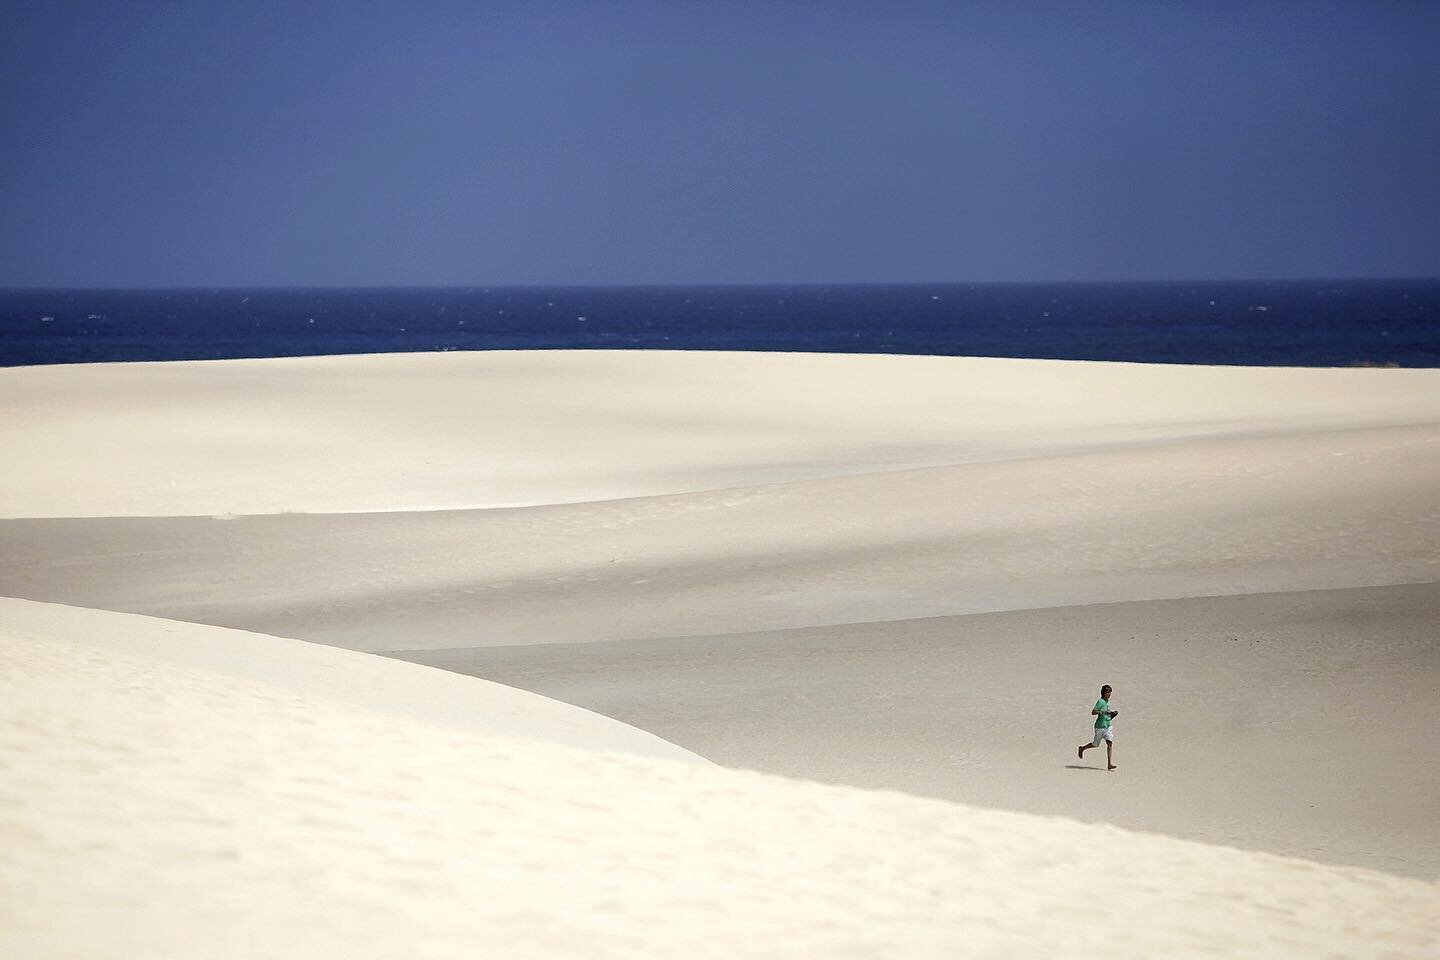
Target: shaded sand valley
{"points": [[1298, 723]]}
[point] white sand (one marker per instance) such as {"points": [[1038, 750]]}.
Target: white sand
{"points": [[165, 806], [434, 697], [1306, 511], [1297, 723], [876, 571], [423, 431]]}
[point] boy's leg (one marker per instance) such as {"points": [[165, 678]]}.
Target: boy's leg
{"points": [[1110, 754]]}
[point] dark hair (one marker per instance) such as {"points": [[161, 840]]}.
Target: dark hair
{"points": [[1103, 688]]}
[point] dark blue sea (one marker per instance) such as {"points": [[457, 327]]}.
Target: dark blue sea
{"points": [[1276, 323]]}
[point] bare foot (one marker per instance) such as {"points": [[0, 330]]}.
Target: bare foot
{"points": [[1080, 753], [1111, 767]]}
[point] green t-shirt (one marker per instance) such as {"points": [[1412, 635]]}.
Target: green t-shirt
{"points": [[1103, 719]]}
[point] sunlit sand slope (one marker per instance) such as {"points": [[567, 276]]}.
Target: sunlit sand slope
{"points": [[162, 808], [435, 697], [419, 431]]}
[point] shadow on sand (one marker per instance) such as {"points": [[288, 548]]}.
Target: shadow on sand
{"points": [[1076, 766]]}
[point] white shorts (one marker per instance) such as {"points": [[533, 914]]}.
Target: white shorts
{"points": [[1103, 733]]}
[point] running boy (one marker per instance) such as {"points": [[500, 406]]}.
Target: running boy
{"points": [[1103, 715]]}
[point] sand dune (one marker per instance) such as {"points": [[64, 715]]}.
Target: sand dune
{"points": [[170, 807], [876, 572], [434, 697], [1215, 516], [457, 430]]}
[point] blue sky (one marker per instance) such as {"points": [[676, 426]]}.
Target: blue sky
{"points": [[432, 143]]}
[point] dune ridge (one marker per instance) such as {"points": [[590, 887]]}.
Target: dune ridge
{"points": [[435, 697]]}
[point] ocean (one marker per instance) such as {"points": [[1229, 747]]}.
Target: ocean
{"points": [[1264, 323]]}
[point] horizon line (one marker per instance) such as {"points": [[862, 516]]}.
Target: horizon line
{"points": [[731, 284]]}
